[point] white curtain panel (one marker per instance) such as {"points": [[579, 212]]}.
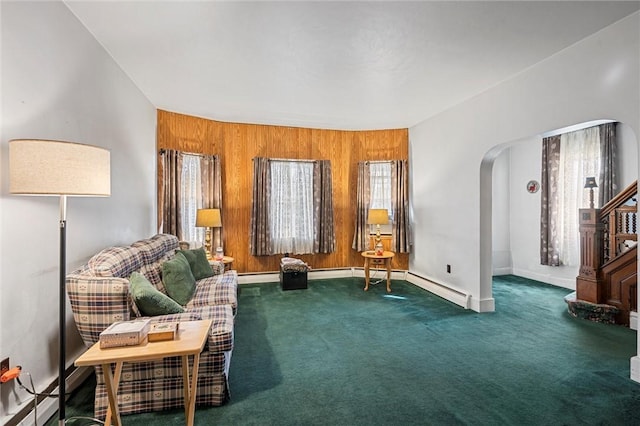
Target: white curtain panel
{"points": [[380, 178], [291, 207], [380, 181], [191, 198], [579, 158]]}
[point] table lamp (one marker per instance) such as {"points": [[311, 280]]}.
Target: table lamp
{"points": [[378, 217], [208, 218], [591, 183]]}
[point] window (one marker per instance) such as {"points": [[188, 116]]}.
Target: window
{"points": [[380, 192], [579, 158], [192, 199], [291, 222], [567, 160], [383, 184]]}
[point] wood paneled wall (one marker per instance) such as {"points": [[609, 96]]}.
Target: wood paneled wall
{"points": [[237, 144]]}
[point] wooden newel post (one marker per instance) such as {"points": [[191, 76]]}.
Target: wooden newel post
{"points": [[589, 282]]}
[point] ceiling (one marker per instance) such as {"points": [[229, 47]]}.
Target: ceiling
{"points": [[335, 65]]}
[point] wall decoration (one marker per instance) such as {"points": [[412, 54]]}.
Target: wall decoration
{"points": [[533, 186]]}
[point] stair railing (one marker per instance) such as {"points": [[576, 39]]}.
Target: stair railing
{"points": [[605, 234], [619, 217]]}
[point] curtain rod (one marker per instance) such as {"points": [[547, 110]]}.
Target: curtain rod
{"points": [[379, 161], [290, 160], [195, 154]]}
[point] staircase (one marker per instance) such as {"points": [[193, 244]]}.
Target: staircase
{"points": [[607, 280]]}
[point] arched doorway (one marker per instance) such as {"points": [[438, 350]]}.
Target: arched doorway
{"points": [[505, 173]]}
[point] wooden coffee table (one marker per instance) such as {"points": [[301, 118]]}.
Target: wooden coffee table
{"points": [[192, 336], [377, 259]]}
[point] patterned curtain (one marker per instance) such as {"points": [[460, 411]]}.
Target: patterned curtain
{"points": [[363, 188], [259, 236], [170, 218], [607, 179], [325, 236], [401, 234], [549, 233], [211, 180]]}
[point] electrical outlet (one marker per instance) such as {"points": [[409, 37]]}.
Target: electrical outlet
{"points": [[448, 269], [4, 365]]}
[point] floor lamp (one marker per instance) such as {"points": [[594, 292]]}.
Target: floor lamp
{"points": [[63, 169]]}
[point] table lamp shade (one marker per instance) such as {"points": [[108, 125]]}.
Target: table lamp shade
{"points": [[209, 218], [43, 167], [590, 182], [378, 217]]}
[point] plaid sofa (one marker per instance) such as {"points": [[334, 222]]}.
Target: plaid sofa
{"points": [[99, 295]]}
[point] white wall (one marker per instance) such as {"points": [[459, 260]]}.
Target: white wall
{"points": [[593, 79], [596, 78], [59, 83], [501, 238], [523, 161]]}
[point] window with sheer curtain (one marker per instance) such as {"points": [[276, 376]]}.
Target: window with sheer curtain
{"points": [[188, 182], [580, 157], [191, 200], [383, 184], [567, 161], [380, 193], [291, 207]]}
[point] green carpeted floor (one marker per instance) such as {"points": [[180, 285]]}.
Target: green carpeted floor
{"points": [[335, 355]]}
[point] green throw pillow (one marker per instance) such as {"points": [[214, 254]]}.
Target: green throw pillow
{"points": [[149, 300], [178, 279], [200, 267]]}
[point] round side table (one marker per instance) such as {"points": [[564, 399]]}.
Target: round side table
{"points": [[383, 259]]}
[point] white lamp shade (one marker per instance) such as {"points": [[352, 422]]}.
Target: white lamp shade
{"points": [[43, 167]]}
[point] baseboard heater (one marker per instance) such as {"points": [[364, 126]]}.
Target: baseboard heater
{"points": [[450, 293], [274, 276]]}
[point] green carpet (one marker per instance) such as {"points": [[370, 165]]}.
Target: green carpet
{"points": [[335, 355]]}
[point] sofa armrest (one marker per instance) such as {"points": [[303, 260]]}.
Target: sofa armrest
{"points": [[97, 302], [221, 333]]}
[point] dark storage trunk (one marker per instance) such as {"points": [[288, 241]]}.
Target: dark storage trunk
{"points": [[293, 280]]}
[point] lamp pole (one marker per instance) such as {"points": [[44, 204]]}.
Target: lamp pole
{"points": [[62, 388]]}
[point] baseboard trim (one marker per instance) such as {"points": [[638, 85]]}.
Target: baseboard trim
{"points": [[635, 369], [483, 305], [47, 407], [265, 277], [319, 274], [503, 271], [568, 283]]}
